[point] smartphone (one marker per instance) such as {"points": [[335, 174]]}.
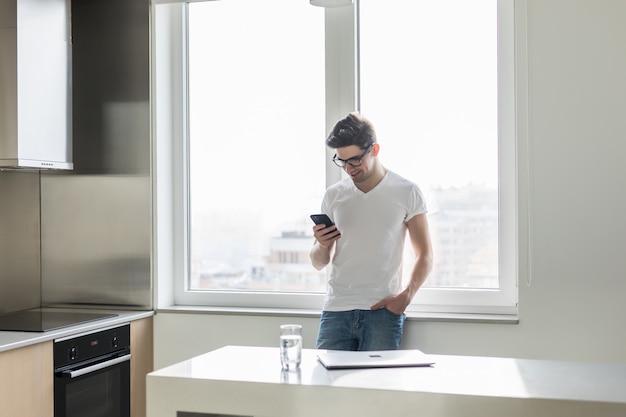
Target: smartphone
{"points": [[322, 219]]}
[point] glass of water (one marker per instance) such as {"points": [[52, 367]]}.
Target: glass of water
{"points": [[290, 346]]}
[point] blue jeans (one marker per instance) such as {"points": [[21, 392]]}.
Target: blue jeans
{"points": [[360, 330]]}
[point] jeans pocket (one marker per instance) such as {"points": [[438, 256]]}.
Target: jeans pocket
{"points": [[392, 313]]}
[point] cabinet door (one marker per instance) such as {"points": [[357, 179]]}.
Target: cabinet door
{"points": [[141, 364], [27, 387]]}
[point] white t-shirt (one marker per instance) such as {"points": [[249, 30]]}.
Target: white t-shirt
{"points": [[367, 264]]}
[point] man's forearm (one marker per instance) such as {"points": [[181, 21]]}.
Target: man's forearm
{"points": [[421, 270], [320, 256]]}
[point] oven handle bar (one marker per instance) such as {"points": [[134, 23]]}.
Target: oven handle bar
{"points": [[94, 368]]}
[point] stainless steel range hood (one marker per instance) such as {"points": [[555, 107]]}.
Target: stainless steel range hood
{"points": [[35, 84]]}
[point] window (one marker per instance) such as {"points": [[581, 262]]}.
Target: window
{"points": [[256, 167], [435, 106], [434, 100], [255, 80]]}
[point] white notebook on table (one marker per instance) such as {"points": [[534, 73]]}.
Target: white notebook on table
{"points": [[342, 359]]}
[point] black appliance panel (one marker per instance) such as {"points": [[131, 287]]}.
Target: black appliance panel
{"points": [[69, 351]]}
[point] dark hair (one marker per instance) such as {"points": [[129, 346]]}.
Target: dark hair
{"points": [[353, 129]]}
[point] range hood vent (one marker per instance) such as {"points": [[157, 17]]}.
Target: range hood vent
{"points": [[35, 85]]}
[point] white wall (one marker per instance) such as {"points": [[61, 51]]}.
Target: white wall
{"points": [[575, 305]]}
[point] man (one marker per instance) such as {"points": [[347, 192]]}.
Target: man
{"points": [[372, 211]]}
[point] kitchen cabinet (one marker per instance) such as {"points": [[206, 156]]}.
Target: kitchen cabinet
{"points": [[27, 387], [141, 348]]}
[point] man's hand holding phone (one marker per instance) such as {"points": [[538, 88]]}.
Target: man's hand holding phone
{"points": [[324, 231]]}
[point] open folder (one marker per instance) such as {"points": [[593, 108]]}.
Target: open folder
{"points": [[342, 359]]}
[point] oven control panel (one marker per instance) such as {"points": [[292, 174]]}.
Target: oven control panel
{"points": [[86, 346]]}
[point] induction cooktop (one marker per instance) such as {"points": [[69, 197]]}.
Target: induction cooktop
{"points": [[39, 320]]}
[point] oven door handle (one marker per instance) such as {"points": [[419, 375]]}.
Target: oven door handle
{"points": [[94, 368]]}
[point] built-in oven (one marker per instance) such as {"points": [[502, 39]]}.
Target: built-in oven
{"points": [[92, 374]]}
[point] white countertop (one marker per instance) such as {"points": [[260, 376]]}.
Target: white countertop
{"points": [[14, 340], [248, 381]]}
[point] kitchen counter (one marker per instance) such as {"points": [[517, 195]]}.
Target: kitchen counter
{"points": [[13, 340], [248, 381]]}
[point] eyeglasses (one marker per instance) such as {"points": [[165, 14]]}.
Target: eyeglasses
{"points": [[355, 161]]}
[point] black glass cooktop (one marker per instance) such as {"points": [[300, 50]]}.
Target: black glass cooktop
{"points": [[38, 320]]}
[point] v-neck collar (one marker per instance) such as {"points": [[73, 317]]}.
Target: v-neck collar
{"points": [[358, 191]]}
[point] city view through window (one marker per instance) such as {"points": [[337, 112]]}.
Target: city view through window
{"points": [[464, 237]]}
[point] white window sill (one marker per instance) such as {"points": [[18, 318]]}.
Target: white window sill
{"points": [[412, 316]]}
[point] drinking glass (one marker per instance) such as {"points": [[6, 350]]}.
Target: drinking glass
{"points": [[290, 346]]}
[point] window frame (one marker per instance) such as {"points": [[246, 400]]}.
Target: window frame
{"points": [[170, 155]]}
